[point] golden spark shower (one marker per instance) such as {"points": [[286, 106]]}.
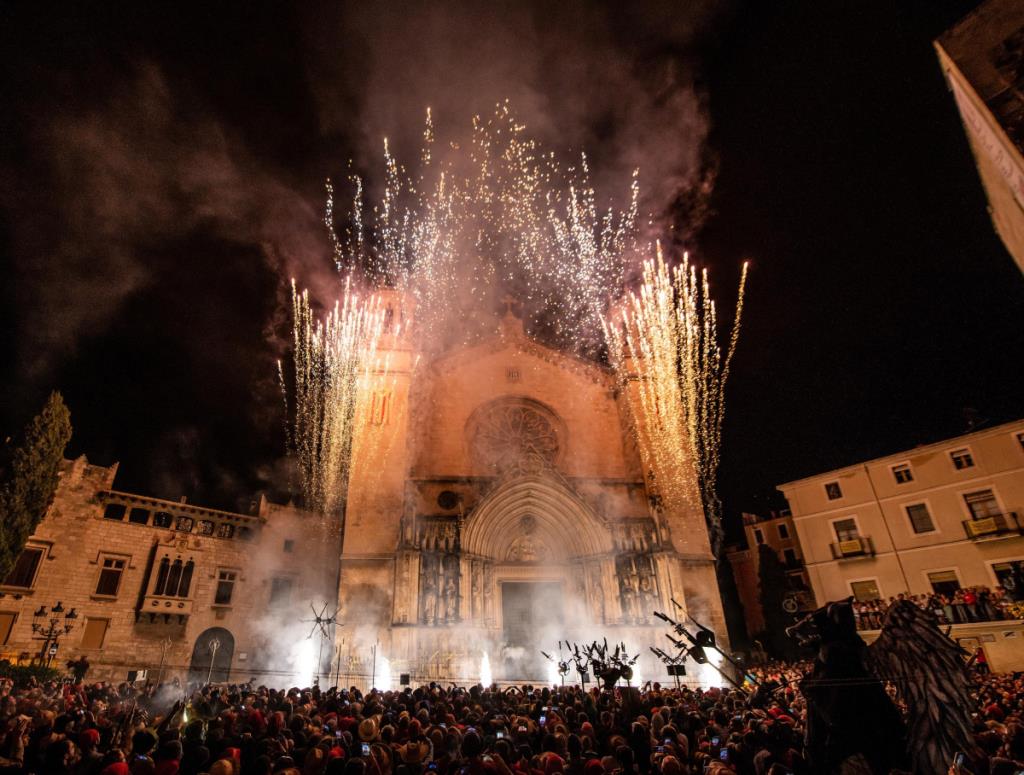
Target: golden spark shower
{"points": [[666, 334], [333, 359], [500, 215]]}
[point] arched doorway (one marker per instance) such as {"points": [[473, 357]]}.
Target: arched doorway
{"points": [[211, 656]]}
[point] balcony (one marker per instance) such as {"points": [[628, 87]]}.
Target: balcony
{"points": [[154, 605], [993, 526], [853, 548]]}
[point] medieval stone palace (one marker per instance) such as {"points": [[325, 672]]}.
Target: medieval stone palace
{"points": [[498, 506]]}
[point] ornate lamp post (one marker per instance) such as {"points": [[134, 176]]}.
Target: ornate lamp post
{"points": [[49, 627]]}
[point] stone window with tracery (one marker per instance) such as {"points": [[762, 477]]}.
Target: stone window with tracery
{"points": [[514, 434]]}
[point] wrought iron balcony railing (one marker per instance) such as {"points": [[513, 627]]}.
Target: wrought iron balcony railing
{"points": [[993, 525], [850, 548]]}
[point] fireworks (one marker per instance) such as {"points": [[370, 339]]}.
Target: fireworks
{"points": [[334, 360], [498, 216], [667, 334]]}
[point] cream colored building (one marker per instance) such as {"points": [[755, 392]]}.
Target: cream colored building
{"points": [[928, 519], [982, 58]]}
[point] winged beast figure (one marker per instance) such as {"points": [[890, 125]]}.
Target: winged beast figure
{"points": [[852, 724]]}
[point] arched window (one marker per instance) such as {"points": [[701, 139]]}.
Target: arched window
{"points": [[186, 578], [161, 576], [173, 578]]}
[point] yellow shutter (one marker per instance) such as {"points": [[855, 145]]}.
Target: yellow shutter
{"points": [[6, 623], [95, 632]]}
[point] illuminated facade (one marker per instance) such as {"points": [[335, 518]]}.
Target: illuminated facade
{"points": [[982, 58], [497, 505]]}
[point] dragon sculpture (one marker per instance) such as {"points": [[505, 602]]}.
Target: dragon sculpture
{"points": [[852, 724]]}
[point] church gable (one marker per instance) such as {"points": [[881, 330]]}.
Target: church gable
{"points": [[510, 379]]}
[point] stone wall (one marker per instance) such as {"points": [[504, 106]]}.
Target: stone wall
{"points": [[79, 535]]}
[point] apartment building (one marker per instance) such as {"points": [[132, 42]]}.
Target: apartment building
{"points": [[928, 519]]}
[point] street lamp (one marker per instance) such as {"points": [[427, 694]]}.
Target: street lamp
{"points": [[50, 627]]}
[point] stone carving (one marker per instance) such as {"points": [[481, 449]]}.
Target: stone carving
{"points": [[638, 587], [527, 548], [508, 434]]}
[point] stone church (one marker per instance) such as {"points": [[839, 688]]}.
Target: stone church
{"points": [[500, 506], [497, 506]]}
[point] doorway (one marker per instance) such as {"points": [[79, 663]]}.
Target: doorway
{"points": [[532, 615], [208, 660]]}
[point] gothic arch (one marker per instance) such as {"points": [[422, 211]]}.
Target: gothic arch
{"points": [[567, 526]]}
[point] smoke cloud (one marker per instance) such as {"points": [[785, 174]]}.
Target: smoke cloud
{"points": [[616, 80], [131, 175]]}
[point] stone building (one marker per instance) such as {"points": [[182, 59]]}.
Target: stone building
{"points": [[496, 505], [501, 505], [982, 58], [154, 583]]}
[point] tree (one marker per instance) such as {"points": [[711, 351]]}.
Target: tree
{"points": [[735, 622], [28, 478], [773, 584]]}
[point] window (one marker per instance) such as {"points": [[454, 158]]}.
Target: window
{"points": [[224, 530], [6, 625], [380, 407], [944, 582], [110, 577], [162, 519], [1010, 576], [982, 504], [512, 374], [184, 524], [225, 587], [95, 633], [783, 531], [902, 473], [173, 579], [139, 516], [833, 491], [205, 527], [758, 536], [289, 545], [23, 574], [962, 459], [114, 511], [280, 590], [846, 529], [789, 556], [920, 519], [1020, 440], [866, 590]]}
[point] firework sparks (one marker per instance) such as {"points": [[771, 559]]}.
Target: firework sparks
{"points": [[500, 215], [667, 335], [334, 362]]}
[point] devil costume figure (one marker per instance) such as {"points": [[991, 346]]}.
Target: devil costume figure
{"points": [[852, 724]]}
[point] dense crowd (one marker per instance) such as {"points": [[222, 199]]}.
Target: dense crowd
{"points": [[102, 729], [969, 604]]}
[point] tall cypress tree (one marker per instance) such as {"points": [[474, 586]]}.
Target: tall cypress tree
{"points": [[773, 585], [28, 478]]}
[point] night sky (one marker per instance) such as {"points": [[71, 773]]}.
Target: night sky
{"points": [[161, 173]]}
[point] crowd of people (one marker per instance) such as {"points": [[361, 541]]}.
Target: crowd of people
{"points": [[105, 729], [968, 604]]}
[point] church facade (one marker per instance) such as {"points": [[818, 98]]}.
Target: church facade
{"points": [[497, 506], [500, 505]]}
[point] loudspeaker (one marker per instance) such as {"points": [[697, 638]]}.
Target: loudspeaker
{"points": [[403, 679]]}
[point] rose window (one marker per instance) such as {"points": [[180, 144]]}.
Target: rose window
{"points": [[510, 435]]}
